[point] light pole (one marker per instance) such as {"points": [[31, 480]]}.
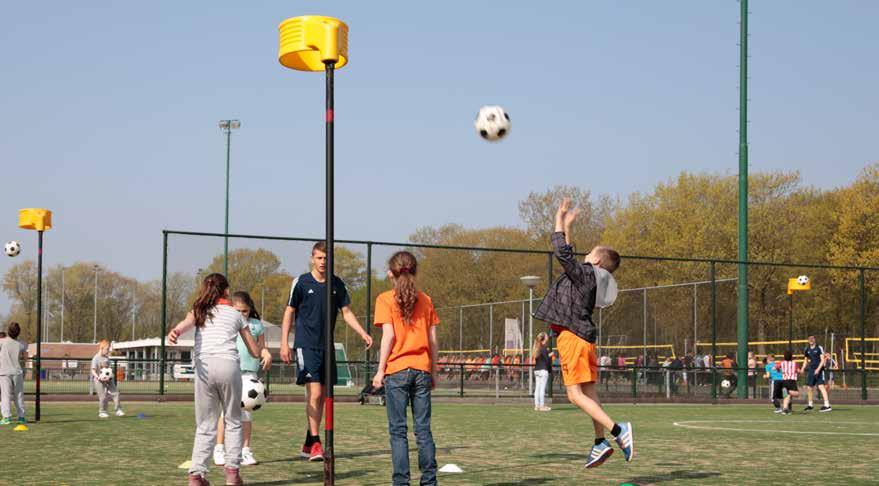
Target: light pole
{"points": [[227, 126], [133, 308], [62, 304], [95, 325], [318, 43], [530, 281]]}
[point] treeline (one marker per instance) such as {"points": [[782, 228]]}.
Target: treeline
{"points": [[692, 216]]}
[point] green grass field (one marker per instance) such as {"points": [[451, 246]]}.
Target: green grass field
{"points": [[494, 444]]}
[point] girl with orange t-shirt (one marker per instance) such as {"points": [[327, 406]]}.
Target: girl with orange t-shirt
{"points": [[407, 365]]}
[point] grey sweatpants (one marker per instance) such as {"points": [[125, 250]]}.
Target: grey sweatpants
{"points": [[217, 389], [107, 389], [12, 390]]}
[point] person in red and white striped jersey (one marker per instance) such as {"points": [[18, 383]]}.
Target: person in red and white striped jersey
{"points": [[788, 370]]}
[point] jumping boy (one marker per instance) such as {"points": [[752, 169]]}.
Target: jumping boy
{"points": [[307, 307], [568, 307]]}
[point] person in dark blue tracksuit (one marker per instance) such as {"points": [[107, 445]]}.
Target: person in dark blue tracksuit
{"points": [[814, 361]]}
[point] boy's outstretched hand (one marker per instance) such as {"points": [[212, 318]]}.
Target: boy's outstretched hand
{"points": [[565, 216]]}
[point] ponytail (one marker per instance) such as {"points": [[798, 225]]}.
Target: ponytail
{"points": [[403, 267], [213, 288]]}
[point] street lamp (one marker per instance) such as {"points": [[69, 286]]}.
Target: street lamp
{"points": [[798, 284], [530, 281], [227, 126], [95, 325], [318, 43]]}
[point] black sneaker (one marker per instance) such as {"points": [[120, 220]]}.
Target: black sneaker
{"points": [[785, 412], [808, 407], [825, 409]]}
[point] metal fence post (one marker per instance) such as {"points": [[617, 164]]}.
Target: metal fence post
{"points": [[551, 337], [713, 333], [863, 292], [164, 309], [368, 304], [635, 384]]}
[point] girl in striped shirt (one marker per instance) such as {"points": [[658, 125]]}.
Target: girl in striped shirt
{"points": [[788, 370], [217, 375]]}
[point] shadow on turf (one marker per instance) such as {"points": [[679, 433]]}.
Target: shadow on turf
{"points": [[304, 476], [525, 481], [356, 455], [672, 476]]}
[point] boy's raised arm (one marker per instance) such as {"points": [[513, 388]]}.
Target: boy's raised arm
{"points": [[561, 241]]}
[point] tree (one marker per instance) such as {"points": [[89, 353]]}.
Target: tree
{"points": [[20, 284], [538, 210]]}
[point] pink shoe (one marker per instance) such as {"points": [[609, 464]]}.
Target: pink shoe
{"points": [[198, 480], [232, 477]]}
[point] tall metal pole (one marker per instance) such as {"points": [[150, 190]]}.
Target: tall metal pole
{"points": [[530, 338], [790, 320], [62, 304], [644, 323], [95, 321], [460, 329], [713, 334], [863, 316], [695, 321], [39, 322], [742, 310], [329, 455], [368, 302], [133, 308], [226, 236], [164, 310], [490, 329]]}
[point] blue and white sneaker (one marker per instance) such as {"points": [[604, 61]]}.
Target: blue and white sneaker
{"points": [[626, 441], [600, 453]]}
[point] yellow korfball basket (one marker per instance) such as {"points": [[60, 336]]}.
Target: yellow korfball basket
{"points": [[305, 43]]}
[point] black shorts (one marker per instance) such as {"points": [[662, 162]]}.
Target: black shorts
{"points": [[812, 379], [776, 390], [789, 385], [310, 366]]}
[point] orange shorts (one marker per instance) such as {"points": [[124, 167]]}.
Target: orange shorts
{"points": [[578, 359]]}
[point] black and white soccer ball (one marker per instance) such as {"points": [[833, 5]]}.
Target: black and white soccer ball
{"points": [[725, 384], [803, 280], [493, 123], [12, 248], [105, 374], [253, 394]]}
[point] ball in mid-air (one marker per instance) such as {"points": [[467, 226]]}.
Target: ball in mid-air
{"points": [[105, 374], [253, 394], [725, 384], [803, 280], [493, 123], [12, 248]]}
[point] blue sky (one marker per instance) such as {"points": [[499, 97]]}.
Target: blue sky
{"points": [[110, 112]]}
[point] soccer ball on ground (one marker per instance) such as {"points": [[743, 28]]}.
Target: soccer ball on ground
{"points": [[725, 384], [12, 248], [105, 374], [492, 123], [253, 394], [802, 280]]}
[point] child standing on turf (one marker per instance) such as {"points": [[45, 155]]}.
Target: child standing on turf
{"points": [[217, 375], [105, 386], [250, 367], [12, 351], [774, 376], [542, 369], [407, 366], [568, 307], [788, 370]]}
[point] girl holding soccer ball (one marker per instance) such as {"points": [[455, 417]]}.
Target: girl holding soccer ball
{"points": [[217, 375], [249, 369], [104, 383]]}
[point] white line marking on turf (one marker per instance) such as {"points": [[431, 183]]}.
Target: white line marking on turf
{"points": [[689, 425]]}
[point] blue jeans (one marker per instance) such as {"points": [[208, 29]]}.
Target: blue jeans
{"points": [[401, 388]]}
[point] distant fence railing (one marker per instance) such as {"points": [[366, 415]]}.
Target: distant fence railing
{"points": [[63, 376]]}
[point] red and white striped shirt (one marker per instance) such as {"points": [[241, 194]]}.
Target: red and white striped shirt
{"points": [[788, 370]]}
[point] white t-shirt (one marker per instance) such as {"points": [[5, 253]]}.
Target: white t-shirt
{"points": [[217, 338]]}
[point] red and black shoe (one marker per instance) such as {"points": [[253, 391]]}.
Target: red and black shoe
{"points": [[317, 453]]}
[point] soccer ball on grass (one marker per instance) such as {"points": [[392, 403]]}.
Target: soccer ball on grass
{"points": [[253, 394]]}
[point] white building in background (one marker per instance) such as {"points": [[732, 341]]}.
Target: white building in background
{"points": [[144, 354]]}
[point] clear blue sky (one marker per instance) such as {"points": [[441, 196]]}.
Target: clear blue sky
{"points": [[109, 113]]}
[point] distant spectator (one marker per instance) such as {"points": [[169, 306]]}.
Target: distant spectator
{"points": [[542, 368], [604, 363]]}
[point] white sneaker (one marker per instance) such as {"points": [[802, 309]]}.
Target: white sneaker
{"points": [[103, 414], [247, 458], [120, 413], [219, 455]]}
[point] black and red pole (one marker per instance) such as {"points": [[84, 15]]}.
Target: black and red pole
{"points": [[330, 353], [39, 322]]}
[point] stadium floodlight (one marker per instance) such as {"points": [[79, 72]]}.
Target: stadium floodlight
{"points": [[227, 126]]}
